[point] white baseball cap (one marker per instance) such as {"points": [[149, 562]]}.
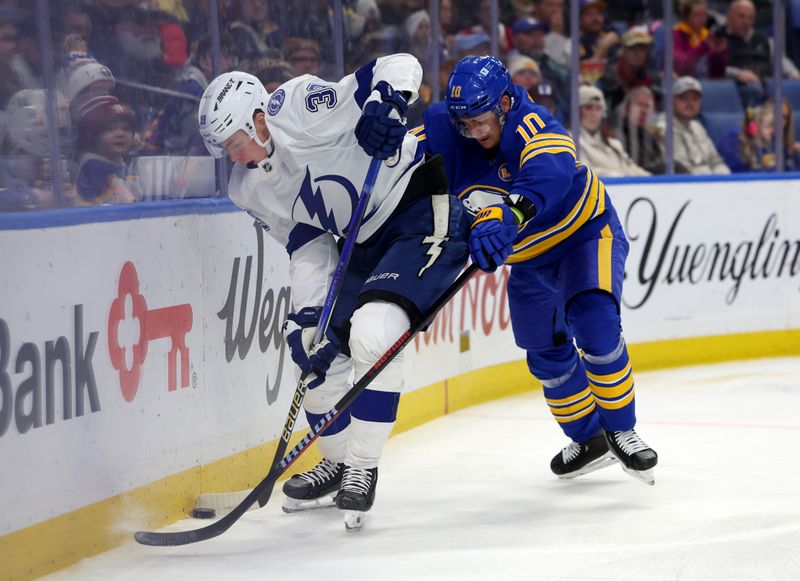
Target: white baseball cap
{"points": [[590, 95], [684, 84]]}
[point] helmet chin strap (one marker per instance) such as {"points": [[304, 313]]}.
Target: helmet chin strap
{"points": [[501, 115], [266, 144], [269, 146]]}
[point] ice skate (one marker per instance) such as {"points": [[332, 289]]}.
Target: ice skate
{"points": [[356, 495], [316, 488], [636, 457], [578, 459]]}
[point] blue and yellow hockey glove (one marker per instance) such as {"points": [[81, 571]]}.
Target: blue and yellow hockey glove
{"points": [[492, 235], [380, 130], [315, 360]]}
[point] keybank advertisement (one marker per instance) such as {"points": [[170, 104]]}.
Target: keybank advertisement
{"points": [[130, 351]]}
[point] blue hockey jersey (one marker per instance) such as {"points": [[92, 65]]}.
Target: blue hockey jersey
{"points": [[536, 158]]}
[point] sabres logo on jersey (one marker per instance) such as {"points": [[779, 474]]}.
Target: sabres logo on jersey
{"points": [[503, 173]]}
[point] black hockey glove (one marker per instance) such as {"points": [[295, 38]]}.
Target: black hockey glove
{"points": [[380, 130], [298, 332]]}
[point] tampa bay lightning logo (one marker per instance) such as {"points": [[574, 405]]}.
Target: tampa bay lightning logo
{"points": [[276, 102], [310, 201]]}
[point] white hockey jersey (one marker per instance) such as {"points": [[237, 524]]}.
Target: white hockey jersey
{"points": [[313, 178]]}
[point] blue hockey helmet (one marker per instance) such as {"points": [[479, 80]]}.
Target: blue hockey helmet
{"points": [[477, 84]]}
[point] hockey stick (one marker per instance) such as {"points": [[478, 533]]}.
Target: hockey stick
{"points": [[264, 488], [327, 309]]}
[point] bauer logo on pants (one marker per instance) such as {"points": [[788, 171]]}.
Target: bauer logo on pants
{"points": [[131, 327]]}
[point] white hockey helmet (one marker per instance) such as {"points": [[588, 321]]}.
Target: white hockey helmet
{"points": [[228, 105]]}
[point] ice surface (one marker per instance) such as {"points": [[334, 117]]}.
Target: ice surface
{"points": [[470, 497]]}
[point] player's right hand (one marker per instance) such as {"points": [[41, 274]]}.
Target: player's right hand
{"points": [[380, 130], [492, 236], [313, 360]]}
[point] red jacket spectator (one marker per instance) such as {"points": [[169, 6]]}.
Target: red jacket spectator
{"points": [[698, 52]]}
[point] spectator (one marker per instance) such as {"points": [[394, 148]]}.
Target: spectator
{"points": [[302, 54], [105, 139], [631, 69], [11, 78], [635, 129], [172, 127], [27, 171], [82, 76], [556, 42], [364, 18], [752, 146], [692, 147], [203, 58], [544, 94], [29, 57], [104, 39], [528, 37], [503, 31], [597, 40], [599, 148], [148, 45], [446, 27], [697, 52], [76, 20], [254, 33], [750, 53], [312, 19], [524, 72], [417, 29], [468, 43], [273, 73]]}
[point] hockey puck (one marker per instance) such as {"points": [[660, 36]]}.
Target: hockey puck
{"points": [[204, 513]]}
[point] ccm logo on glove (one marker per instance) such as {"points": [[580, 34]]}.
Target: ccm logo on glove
{"points": [[492, 235]]}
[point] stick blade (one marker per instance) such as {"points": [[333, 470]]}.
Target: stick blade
{"points": [[155, 539]]}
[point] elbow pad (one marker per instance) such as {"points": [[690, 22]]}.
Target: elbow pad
{"points": [[522, 206]]}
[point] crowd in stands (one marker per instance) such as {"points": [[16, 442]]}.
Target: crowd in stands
{"points": [[129, 74]]}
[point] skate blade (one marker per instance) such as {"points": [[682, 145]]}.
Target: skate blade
{"points": [[646, 476], [291, 505], [606, 459], [353, 520]]}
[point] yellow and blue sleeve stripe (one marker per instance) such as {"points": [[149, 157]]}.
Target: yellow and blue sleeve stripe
{"points": [[590, 205], [418, 132], [552, 143]]}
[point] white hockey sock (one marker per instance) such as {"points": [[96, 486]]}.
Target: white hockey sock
{"points": [[334, 447], [365, 442]]}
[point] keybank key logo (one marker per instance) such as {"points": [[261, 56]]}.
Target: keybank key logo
{"points": [[131, 327]]}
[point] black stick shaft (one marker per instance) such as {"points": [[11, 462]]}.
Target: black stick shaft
{"points": [[264, 488]]}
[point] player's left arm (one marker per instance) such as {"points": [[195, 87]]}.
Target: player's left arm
{"points": [[386, 87], [546, 160], [401, 71], [546, 157]]}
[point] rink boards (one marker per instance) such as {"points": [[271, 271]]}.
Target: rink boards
{"points": [[141, 361]]}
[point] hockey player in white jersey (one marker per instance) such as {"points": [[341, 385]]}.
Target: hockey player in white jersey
{"points": [[301, 156]]}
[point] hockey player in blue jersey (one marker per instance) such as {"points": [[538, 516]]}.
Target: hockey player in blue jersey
{"points": [[539, 209], [301, 156]]}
